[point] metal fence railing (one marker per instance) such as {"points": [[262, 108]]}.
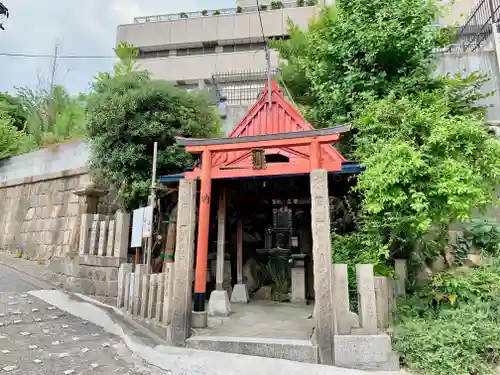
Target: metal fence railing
{"points": [[478, 26], [241, 87], [214, 12]]}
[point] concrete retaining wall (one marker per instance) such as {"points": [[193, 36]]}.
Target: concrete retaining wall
{"points": [[482, 61]]}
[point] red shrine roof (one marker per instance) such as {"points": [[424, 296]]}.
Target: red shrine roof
{"points": [[280, 130]]}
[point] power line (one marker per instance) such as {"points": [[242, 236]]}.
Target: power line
{"points": [[268, 57], [52, 56]]}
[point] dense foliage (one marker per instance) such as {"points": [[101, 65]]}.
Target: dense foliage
{"points": [[429, 162], [428, 155], [355, 48], [126, 115], [452, 325], [42, 117]]}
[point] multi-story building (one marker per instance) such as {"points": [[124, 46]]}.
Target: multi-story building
{"points": [[225, 47]]}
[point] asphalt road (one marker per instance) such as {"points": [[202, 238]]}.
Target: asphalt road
{"points": [[38, 339]]}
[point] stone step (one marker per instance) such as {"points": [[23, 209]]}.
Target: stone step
{"points": [[294, 350]]}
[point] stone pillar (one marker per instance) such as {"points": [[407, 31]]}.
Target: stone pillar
{"points": [[111, 239], [298, 280], [131, 293], [168, 290], [103, 238], [126, 297], [218, 304], [179, 329], [122, 227], [88, 201], [240, 292], [140, 271], [383, 291], [94, 234], [322, 258], [160, 295], [346, 320], [145, 295], [84, 236], [123, 271], [367, 304], [401, 277], [153, 291]]}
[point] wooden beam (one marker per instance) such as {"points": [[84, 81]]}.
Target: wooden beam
{"points": [[275, 143]]}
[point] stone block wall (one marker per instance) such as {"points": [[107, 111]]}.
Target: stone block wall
{"points": [[39, 215], [88, 274]]}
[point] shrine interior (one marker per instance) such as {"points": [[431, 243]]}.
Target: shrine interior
{"points": [[277, 237]]}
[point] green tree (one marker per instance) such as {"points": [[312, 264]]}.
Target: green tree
{"points": [[126, 115], [355, 48], [12, 140], [127, 55], [428, 157], [12, 108]]}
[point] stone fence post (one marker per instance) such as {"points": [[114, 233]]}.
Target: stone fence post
{"points": [[323, 274]]}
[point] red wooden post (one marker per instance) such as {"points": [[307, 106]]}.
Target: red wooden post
{"points": [[315, 155], [200, 283]]}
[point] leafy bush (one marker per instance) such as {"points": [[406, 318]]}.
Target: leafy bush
{"points": [[300, 3], [126, 115], [216, 13], [452, 324], [484, 235], [204, 12], [13, 141], [276, 4]]}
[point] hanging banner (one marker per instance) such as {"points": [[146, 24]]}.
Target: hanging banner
{"points": [[137, 224]]}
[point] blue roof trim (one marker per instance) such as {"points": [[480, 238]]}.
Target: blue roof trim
{"points": [[347, 168]]}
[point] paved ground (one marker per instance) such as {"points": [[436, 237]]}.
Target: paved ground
{"points": [[39, 339], [282, 321]]}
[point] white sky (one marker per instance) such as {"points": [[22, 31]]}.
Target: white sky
{"points": [[81, 27]]}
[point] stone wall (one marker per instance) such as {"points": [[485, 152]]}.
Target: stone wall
{"points": [[39, 214]]}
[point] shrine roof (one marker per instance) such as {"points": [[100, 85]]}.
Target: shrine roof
{"points": [[287, 143], [280, 121], [262, 137]]}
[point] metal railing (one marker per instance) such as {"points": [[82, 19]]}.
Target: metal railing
{"points": [[211, 13], [240, 87], [478, 27]]}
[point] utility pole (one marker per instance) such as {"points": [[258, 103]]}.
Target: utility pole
{"points": [[153, 204], [269, 72], [54, 66]]}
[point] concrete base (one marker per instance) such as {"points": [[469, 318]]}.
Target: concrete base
{"points": [[363, 352], [240, 294], [218, 304], [293, 350], [199, 319]]}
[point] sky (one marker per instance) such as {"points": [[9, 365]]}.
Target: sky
{"points": [[79, 28]]}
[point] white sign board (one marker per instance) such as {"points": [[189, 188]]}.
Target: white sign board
{"points": [[147, 222], [137, 223]]}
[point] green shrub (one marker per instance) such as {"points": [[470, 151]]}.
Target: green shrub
{"points": [[451, 325], [276, 4], [301, 3]]}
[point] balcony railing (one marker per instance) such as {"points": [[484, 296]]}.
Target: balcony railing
{"points": [[214, 13], [477, 29]]}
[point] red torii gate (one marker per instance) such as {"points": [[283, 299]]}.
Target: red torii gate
{"points": [[277, 129]]}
